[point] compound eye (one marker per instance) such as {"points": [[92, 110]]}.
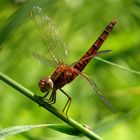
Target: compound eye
{"points": [[46, 84], [49, 84]]}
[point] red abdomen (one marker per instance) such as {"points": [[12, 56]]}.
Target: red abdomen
{"points": [[94, 48]]}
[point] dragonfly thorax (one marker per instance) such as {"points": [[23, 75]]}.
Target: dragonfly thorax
{"points": [[46, 84]]}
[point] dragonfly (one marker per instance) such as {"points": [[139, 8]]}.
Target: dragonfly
{"points": [[64, 73]]}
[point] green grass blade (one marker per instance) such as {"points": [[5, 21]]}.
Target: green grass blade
{"points": [[23, 128], [18, 129], [118, 66]]}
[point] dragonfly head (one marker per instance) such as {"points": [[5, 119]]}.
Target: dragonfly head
{"points": [[46, 84]]}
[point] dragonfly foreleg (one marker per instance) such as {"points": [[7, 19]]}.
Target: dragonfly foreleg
{"points": [[46, 95], [52, 98], [67, 105]]}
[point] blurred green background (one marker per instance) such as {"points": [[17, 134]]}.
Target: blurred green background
{"points": [[80, 23]]}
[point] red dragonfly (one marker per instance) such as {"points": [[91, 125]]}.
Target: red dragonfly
{"points": [[63, 73]]}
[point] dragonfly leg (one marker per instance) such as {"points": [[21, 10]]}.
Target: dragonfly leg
{"points": [[52, 98], [46, 95], [46, 99], [67, 105]]}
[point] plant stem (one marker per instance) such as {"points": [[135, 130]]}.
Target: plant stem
{"points": [[50, 108]]}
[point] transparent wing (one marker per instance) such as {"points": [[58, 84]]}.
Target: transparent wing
{"points": [[44, 60], [51, 35], [98, 92]]}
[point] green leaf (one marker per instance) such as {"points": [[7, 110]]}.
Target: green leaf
{"points": [[19, 129], [64, 129]]}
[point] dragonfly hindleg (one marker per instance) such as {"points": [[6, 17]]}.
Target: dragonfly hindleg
{"points": [[67, 105]]}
